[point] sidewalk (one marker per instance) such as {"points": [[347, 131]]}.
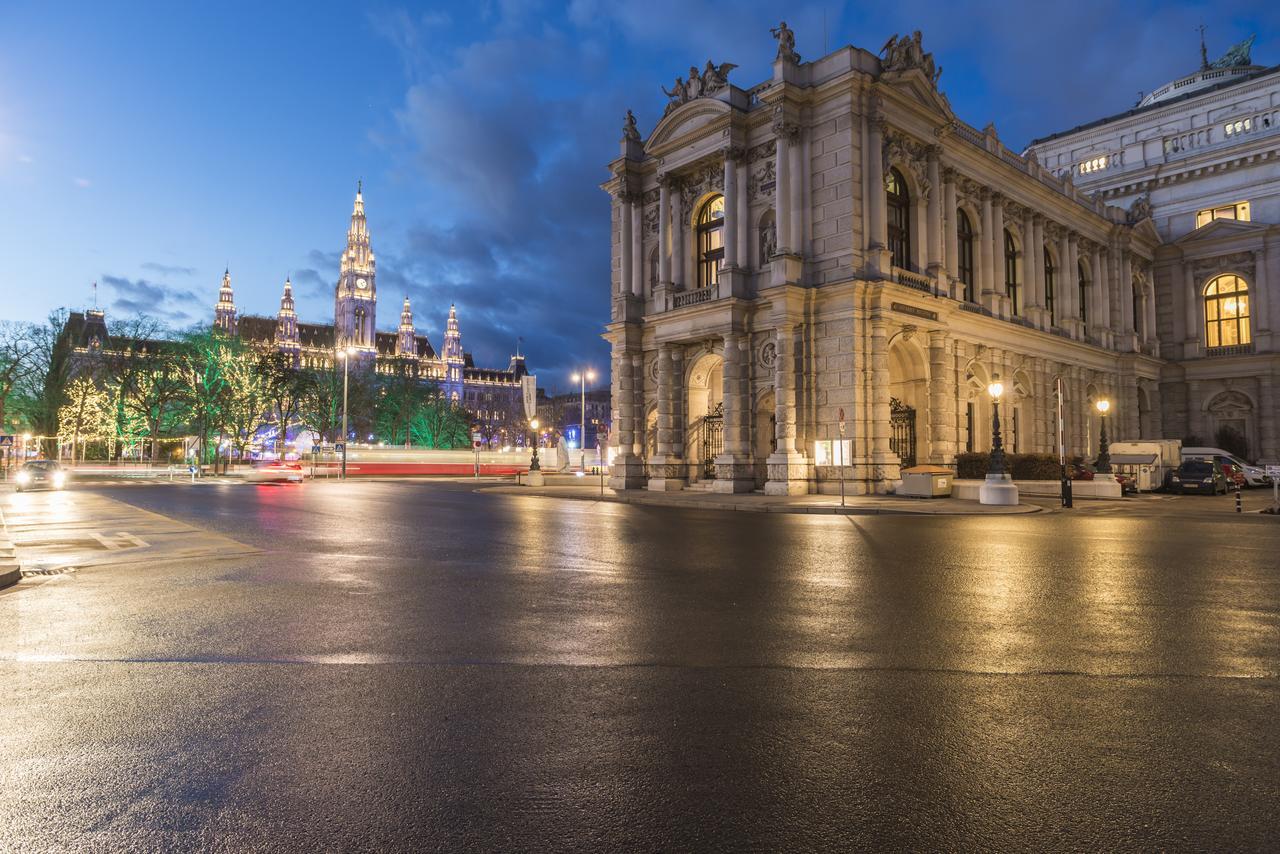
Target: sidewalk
{"points": [[859, 505], [10, 569]]}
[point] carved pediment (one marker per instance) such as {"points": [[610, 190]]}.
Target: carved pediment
{"points": [[1222, 228], [915, 85], [685, 119]]}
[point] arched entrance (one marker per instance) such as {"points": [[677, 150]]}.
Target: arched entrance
{"points": [[704, 415], [908, 396], [1231, 415]]}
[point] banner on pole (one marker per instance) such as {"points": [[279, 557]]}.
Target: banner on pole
{"points": [[529, 391]]}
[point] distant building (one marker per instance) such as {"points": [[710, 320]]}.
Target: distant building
{"points": [[481, 391], [563, 414]]}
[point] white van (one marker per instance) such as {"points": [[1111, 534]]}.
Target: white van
{"points": [[1254, 475]]}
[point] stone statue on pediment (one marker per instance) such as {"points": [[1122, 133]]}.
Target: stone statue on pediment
{"points": [[693, 89], [903, 53], [711, 80], [629, 129], [786, 43], [1139, 210]]}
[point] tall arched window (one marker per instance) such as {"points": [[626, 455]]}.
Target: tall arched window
{"points": [[710, 241], [1226, 312], [964, 247], [1011, 273], [1050, 287], [1082, 283], [899, 203]]}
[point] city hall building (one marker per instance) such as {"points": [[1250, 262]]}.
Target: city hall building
{"points": [[830, 267], [355, 309]]}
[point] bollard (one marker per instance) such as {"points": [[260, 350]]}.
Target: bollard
{"points": [[1239, 507]]}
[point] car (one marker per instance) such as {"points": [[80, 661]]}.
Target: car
{"points": [[36, 474], [275, 472], [1199, 476], [1128, 484], [1079, 471], [1232, 472], [1254, 475]]}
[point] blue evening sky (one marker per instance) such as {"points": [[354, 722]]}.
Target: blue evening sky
{"points": [[146, 145]]}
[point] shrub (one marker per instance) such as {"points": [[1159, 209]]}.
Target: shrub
{"points": [[1020, 466]]}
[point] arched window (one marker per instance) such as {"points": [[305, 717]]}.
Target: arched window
{"points": [[964, 246], [1082, 283], [710, 241], [1226, 312], [1050, 286], [1011, 273], [899, 203]]}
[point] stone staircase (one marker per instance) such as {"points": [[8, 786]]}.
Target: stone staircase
{"points": [[704, 485]]}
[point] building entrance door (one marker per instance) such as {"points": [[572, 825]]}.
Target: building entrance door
{"points": [[712, 440], [902, 436]]}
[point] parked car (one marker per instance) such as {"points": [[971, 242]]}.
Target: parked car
{"points": [[1128, 484], [37, 474], [275, 472], [1199, 476], [1232, 472], [1079, 471], [1254, 475]]}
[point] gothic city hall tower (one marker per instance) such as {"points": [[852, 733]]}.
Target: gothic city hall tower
{"points": [[356, 296]]}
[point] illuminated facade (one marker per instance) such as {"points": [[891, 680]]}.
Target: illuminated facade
{"points": [[830, 266], [1199, 159], [312, 345]]}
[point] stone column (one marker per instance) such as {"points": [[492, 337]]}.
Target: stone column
{"points": [[934, 217], [744, 216], [638, 411], [733, 467], [782, 190], [1196, 422], [637, 247], [624, 239], [788, 474], [796, 174], [667, 471], [877, 211], [627, 470], [1000, 295], [985, 287], [1126, 302], [664, 231], [1037, 284], [730, 229], [1267, 426], [950, 221], [1071, 286], [678, 236], [1104, 297], [942, 400], [1191, 294], [880, 452]]}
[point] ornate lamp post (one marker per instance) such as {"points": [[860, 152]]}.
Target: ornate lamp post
{"points": [[1103, 464], [996, 464], [582, 378], [533, 461], [345, 355]]}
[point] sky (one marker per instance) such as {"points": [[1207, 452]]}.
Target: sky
{"points": [[148, 146]]}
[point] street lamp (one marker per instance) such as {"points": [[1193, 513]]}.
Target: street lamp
{"points": [[533, 462], [1103, 464], [582, 378], [996, 463], [345, 355]]}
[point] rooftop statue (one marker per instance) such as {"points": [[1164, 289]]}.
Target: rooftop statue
{"points": [[1238, 55], [786, 42], [1139, 210], [629, 129], [712, 79], [903, 53]]}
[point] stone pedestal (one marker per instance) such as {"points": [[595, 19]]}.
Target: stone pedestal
{"points": [[534, 478], [627, 472], [667, 474], [786, 269], [998, 489], [788, 474], [1106, 486], [733, 475]]}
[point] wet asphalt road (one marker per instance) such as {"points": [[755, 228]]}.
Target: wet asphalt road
{"points": [[415, 666]]}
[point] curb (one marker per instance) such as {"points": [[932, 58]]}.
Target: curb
{"points": [[764, 508], [10, 569]]}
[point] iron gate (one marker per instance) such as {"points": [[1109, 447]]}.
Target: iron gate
{"points": [[712, 440], [902, 438]]}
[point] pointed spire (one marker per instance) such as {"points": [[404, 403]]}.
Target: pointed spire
{"points": [[224, 314]]}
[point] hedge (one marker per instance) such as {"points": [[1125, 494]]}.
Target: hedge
{"points": [[1021, 466]]}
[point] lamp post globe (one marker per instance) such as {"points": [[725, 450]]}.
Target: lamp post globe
{"points": [[1103, 464], [533, 460]]}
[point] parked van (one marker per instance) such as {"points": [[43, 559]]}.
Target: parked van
{"points": [[1253, 475]]}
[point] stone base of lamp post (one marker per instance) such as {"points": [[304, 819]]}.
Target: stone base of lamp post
{"points": [[998, 489], [1105, 485], [733, 474], [667, 474], [534, 478]]}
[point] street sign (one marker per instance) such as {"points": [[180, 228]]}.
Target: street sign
{"points": [[6, 441], [475, 443], [1273, 472], [340, 447], [840, 418]]}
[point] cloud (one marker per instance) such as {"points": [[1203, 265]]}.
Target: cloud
{"points": [[82, 183], [154, 299], [26, 159], [168, 269]]}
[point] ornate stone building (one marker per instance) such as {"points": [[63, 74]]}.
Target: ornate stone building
{"points": [[314, 345], [830, 267], [1200, 157]]}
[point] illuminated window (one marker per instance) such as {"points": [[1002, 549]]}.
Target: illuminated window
{"points": [[1050, 287], [899, 220], [710, 241], [1094, 165], [964, 244], [1238, 211], [1226, 312], [1238, 126], [1011, 273]]}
